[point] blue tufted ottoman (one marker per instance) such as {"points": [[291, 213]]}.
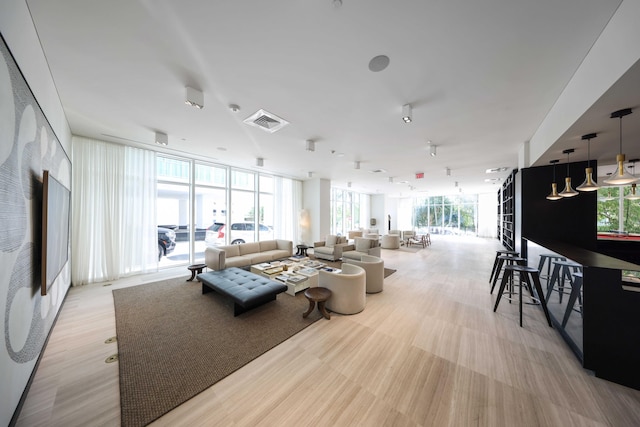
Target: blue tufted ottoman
{"points": [[246, 289]]}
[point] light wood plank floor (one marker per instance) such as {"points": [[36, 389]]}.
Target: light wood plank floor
{"points": [[427, 351]]}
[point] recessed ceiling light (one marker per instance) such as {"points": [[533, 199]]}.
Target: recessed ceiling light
{"points": [[221, 149], [234, 107], [378, 171], [378, 63]]}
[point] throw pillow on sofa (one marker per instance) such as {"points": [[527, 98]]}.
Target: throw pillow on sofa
{"points": [[331, 240], [362, 245]]}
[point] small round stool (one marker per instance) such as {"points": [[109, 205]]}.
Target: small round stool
{"points": [[530, 276], [195, 269], [319, 295]]}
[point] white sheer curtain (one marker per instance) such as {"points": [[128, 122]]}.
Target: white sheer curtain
{"points": [[114, 220], [287, 201]]}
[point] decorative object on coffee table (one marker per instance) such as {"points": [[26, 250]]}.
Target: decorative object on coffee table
{"points": [[195, 269], [319, 295]]}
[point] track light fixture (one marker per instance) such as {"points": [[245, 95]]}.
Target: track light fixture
{"points": [[407, 113], [349, 184], [568, 190], [162, 138], [432, 150], [621, 176], [260, 161], [447, 171], [589, 184], [309, 174], [391, 179], [194, 97], [554, 187], [310, 145], [356, 164]]}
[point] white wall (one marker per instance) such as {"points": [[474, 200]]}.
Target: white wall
{"points": [[316, 201], [26, 318], [488, 215], [378, 212]]}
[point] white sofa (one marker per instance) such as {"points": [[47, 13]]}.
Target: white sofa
{"points": [[362, 246], [245, 254]]}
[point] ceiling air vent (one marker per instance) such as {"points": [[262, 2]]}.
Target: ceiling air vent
{"points": [[266, 121], [496, 170]]}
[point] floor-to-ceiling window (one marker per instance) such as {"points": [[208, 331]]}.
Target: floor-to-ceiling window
{"points": [[345, 211], [618, 211], [173, 209], [446, 214], [207, 204], [210, 207]]}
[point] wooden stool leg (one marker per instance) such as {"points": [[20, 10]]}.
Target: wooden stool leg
{"points": [[323, 310], [312, 305]]}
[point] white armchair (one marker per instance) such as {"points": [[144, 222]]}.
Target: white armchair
{"points": [[374, 271], [332, 248], [348, 289], [362, 246], [390, 241]]}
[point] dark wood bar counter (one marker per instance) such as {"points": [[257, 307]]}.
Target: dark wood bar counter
{"points": [[605, 334]]}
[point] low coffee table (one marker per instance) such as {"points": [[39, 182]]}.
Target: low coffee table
{"points": [[319, 295]]}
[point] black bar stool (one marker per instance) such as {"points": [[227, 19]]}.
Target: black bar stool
{"points": [[531, 277], [548, 259], [494, 270], [509, 259], [576, 294], [561, 272]]}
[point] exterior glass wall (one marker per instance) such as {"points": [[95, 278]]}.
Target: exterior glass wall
{"points": [[211, 205]]}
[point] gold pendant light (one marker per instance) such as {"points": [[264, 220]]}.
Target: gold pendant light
{"points": [[589, 184], [633, 195], [621, 176], [554, 187], [568, 190]]}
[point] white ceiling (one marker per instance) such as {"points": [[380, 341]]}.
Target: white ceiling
{"points": [[481, 77]]}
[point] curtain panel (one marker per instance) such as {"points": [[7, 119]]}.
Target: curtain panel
{"points": [[113, 211]]}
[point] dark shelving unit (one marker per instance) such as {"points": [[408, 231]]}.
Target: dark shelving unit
{"points": [[508, 210]]}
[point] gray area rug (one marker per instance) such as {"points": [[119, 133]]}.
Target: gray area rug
{"points": [[174, 342]]}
